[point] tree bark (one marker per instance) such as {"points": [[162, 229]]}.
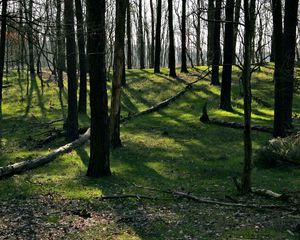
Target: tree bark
{"points": [[183, 38], [228, 58], [172, 60], [246, 176], [99, 164], [216, 45], [129, 47], [289, 46], [82, 58], [158, 39], [141, 36], [72, 119], [152, 35], [2, 48], [210, 31], [279, 130], [237, 13], [118, 74]]}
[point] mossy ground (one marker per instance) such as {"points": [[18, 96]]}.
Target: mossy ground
{"points": [[169, 149]]}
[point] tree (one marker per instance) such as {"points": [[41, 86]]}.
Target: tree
{"points": [[249, 12], [141, 36], [216, 45], [129, 47], [99, 164], [237, 12], [228, 58], [82, 58], [279, 130], [183, 39], [118, 74], [152, 35], [289, 46], [158, 38], [72, 119], [210, 31], [2, 47], [172, 61]]}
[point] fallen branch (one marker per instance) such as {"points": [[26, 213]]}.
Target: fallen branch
{"points": [[137, 196], [165, 102], [205, 119], [291, 207], [23, 166], [20, 167], [271, 194]]}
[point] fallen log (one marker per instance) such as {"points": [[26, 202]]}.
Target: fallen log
{"points": [[20, 167], [23, 166], [165, 102], [205, 119]]}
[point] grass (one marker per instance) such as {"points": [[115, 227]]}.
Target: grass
{"points": [[169, 149]]}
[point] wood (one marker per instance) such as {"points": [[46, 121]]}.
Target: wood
{"points": [[167, 101], [180, 194], [17, 168], [123, 196], [23, 166]]}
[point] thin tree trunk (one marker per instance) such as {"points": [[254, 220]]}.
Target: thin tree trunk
{"points": [[172, 60], [158, 39], [152, 35], [129, 47], [210, 31], [2, 48], [246, 177], [82, 58], [228, 58], [141, 36], [183, 39], [237, 14], [216, 45], [118, 75], [72, 119], [99, 164]]}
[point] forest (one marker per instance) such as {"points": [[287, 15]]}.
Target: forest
{"points": [[149, 119]]}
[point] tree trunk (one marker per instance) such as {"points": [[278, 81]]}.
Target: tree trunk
{"points": [[289, 46], [30, 41], [228, 58], [158, 39], [183, 39], [210, 31], [237, 14], [216, 45], [99, 158], [82, 58], [118, 74], [198, 32], [2, 48], [172, 60], [129, 47], [279, 110], [141, 36], [72, 119], [60, 56], [246, 177], [152, 35]]}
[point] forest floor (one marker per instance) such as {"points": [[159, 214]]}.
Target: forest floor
{"points": [[167, 150]]}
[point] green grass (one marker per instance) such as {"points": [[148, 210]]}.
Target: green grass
{"points": [[192, 156]]}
